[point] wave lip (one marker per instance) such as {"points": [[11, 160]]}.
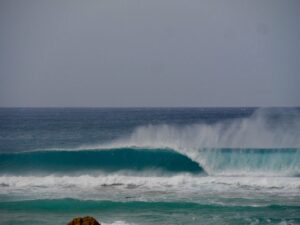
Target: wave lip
{"points": [[85, 161]]}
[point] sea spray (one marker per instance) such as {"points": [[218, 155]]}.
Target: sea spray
{"points": [[150, 166], [264, 129]]}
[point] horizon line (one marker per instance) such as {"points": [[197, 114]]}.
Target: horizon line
{"points": [[120, 107]]}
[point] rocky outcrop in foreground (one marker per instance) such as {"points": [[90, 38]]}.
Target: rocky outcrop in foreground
{"points": [[84, 221]]}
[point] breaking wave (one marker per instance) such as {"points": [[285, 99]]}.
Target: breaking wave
{"points": [[227, 162], [264, 144], [87, 161]]}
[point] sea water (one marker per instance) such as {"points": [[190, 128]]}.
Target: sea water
{"points": [[150, 165]]}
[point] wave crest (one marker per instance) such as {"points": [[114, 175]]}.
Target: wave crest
{"points": [[93, 161]]}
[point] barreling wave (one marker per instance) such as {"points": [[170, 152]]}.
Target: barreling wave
{"points": [[263, 144], [266, 143], [218, 162], [85, 161]]}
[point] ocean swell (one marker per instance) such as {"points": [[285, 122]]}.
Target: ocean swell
{"points": [[92, 161], [159, 162]]}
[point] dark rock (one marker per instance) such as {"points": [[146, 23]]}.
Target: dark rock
{"points": [[84, 221]]}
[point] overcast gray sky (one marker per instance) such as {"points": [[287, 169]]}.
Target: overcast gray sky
{"points": [[149, 53]]}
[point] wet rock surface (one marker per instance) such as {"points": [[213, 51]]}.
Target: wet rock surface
{"points": [[88, 220]]}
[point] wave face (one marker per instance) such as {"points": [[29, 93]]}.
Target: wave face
{"points": [[227, 162], [85, 161]]}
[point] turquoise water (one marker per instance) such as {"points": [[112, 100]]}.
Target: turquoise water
{"points": [[111, 160], [149, 212], [150, 166]]}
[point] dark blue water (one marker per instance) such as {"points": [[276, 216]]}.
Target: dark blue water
{"points": [[23, 129], [150, 165]]}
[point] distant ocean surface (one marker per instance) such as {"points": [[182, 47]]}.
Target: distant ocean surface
{"points": [[141, 166]]}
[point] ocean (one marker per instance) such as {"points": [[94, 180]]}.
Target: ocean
{"points": [[143, 166]]}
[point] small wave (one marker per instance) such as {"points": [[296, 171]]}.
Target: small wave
{"points": [[75, 205], [143, 212]]}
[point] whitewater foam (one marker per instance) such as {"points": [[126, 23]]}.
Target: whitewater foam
{"points": [[102, 185]]}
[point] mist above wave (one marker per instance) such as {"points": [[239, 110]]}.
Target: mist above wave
{"points": [[264, 129]]}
